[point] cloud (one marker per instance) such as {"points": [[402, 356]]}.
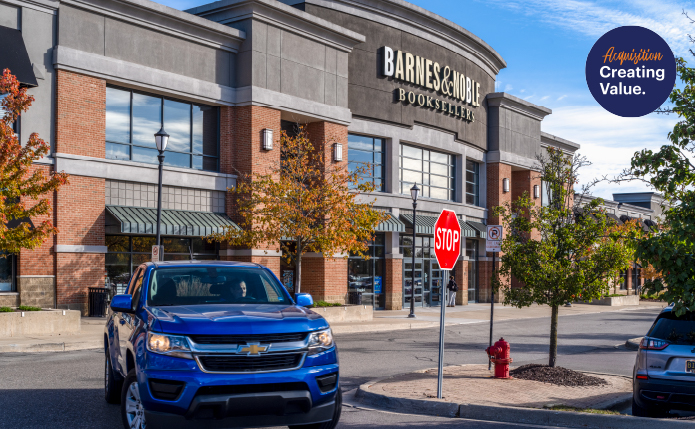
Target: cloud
{"points": [[523, 90], [594, 18], [529, 97], [561, 97], [508, 88], [545, 97], [608, 141]]}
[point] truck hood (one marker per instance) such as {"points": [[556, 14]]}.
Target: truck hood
{"points": [[226, 319]]}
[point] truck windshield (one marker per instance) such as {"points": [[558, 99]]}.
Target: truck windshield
{"points": [[675, 330], [214, 285]]}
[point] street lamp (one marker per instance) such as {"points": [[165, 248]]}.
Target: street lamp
{"points": [[161, 139], [414, 191]]}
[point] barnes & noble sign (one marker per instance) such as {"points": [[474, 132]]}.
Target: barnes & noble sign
{"points": [[429, 74]]}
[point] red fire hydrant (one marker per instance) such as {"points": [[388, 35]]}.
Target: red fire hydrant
{"points": [[499, 355]]}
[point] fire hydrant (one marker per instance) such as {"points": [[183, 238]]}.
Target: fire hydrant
{"points": [[499, 355]]}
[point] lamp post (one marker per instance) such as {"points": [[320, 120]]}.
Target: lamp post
{"points": [[161, 139], [414, 191]]}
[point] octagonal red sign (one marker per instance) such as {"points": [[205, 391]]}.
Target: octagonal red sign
{"points": [[447, 239]]}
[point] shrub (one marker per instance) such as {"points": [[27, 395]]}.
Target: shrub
{"points": [[326, 304], [6, 309], [28, 308]]}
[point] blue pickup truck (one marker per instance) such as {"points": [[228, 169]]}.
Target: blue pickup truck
{"points": [[218, 345]]}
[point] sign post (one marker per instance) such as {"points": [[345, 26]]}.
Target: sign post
{"points": [[493, 244], [447, 248]]}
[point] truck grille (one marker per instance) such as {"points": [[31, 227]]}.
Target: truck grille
{"points": [[263, 363], [246, 339]]}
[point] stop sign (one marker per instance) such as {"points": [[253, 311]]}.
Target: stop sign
{"points": [[447, 239]]}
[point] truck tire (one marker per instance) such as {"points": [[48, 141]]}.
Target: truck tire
{"points": [[132, 411], [112, 386], [336, 416]]}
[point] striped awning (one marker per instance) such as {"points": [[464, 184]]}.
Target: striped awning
{"points": [[424, 223], [480, 229], [466, 230], [391, 224], [140, 220]]}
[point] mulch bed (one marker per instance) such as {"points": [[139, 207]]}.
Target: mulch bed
{"points": [[557, 375]]}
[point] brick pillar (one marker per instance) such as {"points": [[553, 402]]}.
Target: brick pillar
{"points": [[496, 196], [326, 279], [461, 276], [241, 153], [393, 284], [630, 274], [80, 130]]}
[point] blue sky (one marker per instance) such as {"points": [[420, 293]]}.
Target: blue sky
{"points": [[545, 44]]}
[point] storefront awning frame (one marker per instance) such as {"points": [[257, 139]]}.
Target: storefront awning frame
{"points": [[392, 224], [143, 221], [481, 229], [14, 56]]}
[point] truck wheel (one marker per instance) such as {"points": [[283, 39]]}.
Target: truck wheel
{"points": [[132, 411], [336, 416], [112, 387]]}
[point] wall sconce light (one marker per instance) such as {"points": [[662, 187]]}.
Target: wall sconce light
{"points": [[267, 139], [536, 191], [337, 152], [505, 185]]}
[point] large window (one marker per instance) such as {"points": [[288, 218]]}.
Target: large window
{"points": [[7, 274], [472, 183], [472, 255], [367, 153], [133, 118], [367, 276], [126, 253], [434, 172]]}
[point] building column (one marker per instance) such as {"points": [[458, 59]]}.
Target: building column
{"points": [[393, 282], [630, 274], [79, 209], [461, 276]]}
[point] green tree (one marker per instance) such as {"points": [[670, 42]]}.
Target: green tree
{"points": [[560, 252], [670, 171], [23, 188], [307, 200]]}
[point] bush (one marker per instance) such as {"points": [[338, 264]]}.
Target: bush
{"points": [[613, 295], [6, 309], [326, 304], [28, 308]]}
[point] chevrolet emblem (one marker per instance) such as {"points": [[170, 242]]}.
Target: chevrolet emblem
{"points": [[252, 349]]}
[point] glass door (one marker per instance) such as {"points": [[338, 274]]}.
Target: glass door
{"points": [[437, 284], [408, 282], [472, 255]]}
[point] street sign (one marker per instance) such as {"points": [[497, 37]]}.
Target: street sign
{"points": [[447, 240], [157, 253], [494, 238]]}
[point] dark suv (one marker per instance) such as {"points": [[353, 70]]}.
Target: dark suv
{"points": [[664, 374]]}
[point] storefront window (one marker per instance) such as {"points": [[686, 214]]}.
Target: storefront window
{"points": [[472, 183], [126, 253], [472, 256], [133, 118], [367, 276], [434, 172], [367, 153], [7, 274], [623, 280]]}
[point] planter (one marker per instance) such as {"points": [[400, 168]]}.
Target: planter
{"points": [[46, 322], [617, 300], [346, 313]]}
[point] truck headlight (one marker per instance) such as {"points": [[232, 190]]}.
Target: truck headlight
{"points": [[320, 341], [170, 345]]}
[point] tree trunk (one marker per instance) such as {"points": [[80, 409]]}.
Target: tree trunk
{"points": [[553, 336], [298, 273]]}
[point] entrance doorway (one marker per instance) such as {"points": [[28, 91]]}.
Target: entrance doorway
{"points": [[428, 277], [472, 255]]}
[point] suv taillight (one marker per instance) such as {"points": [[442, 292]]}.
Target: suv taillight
{"points": [[652, 344]]}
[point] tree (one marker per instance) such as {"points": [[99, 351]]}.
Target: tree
{"points": [[23, 189], [305, 204], [670, 171], [559, 252]]}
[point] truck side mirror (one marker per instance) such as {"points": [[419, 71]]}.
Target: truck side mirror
{"points": [[304, 300], [123, 303]]}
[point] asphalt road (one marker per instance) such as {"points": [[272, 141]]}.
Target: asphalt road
{"points": [[65, 389]]}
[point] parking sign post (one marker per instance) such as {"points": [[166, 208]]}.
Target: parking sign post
{"points": [[447, 248], [493, 244]]}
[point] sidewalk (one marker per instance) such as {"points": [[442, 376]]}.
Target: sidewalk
{"points": [[92, 333]]}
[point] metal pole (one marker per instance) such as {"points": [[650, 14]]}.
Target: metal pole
{"points": [[412, 284], [440, 372], [492, 304], [160, 157]]}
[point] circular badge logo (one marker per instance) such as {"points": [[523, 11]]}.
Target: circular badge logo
{"points": [[630, 71]]}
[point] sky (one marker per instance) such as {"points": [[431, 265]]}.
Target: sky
{"points": [[545, 44]]}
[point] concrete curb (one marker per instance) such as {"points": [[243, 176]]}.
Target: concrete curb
{"points": [[50, 347], [529, 416], [633, 344]]}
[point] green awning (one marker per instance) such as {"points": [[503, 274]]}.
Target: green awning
{"points": [[480, 229], [391, 224], [467, 231], [140, 220], [425, 223]]}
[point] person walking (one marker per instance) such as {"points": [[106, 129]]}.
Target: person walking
{"points": [[453, 288]]}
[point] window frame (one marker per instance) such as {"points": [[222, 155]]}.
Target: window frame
{"points": [[130, 144], [476, 183], [381, 178], [451, 178]]}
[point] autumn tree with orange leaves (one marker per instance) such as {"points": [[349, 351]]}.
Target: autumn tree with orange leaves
{"points": [[308, 200], [23, 189]]}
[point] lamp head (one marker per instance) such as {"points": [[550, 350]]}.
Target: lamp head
{"points": [[414, 192], [161, 139]]}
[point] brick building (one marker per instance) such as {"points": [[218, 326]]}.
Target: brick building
{"points": [[399, 87]]}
